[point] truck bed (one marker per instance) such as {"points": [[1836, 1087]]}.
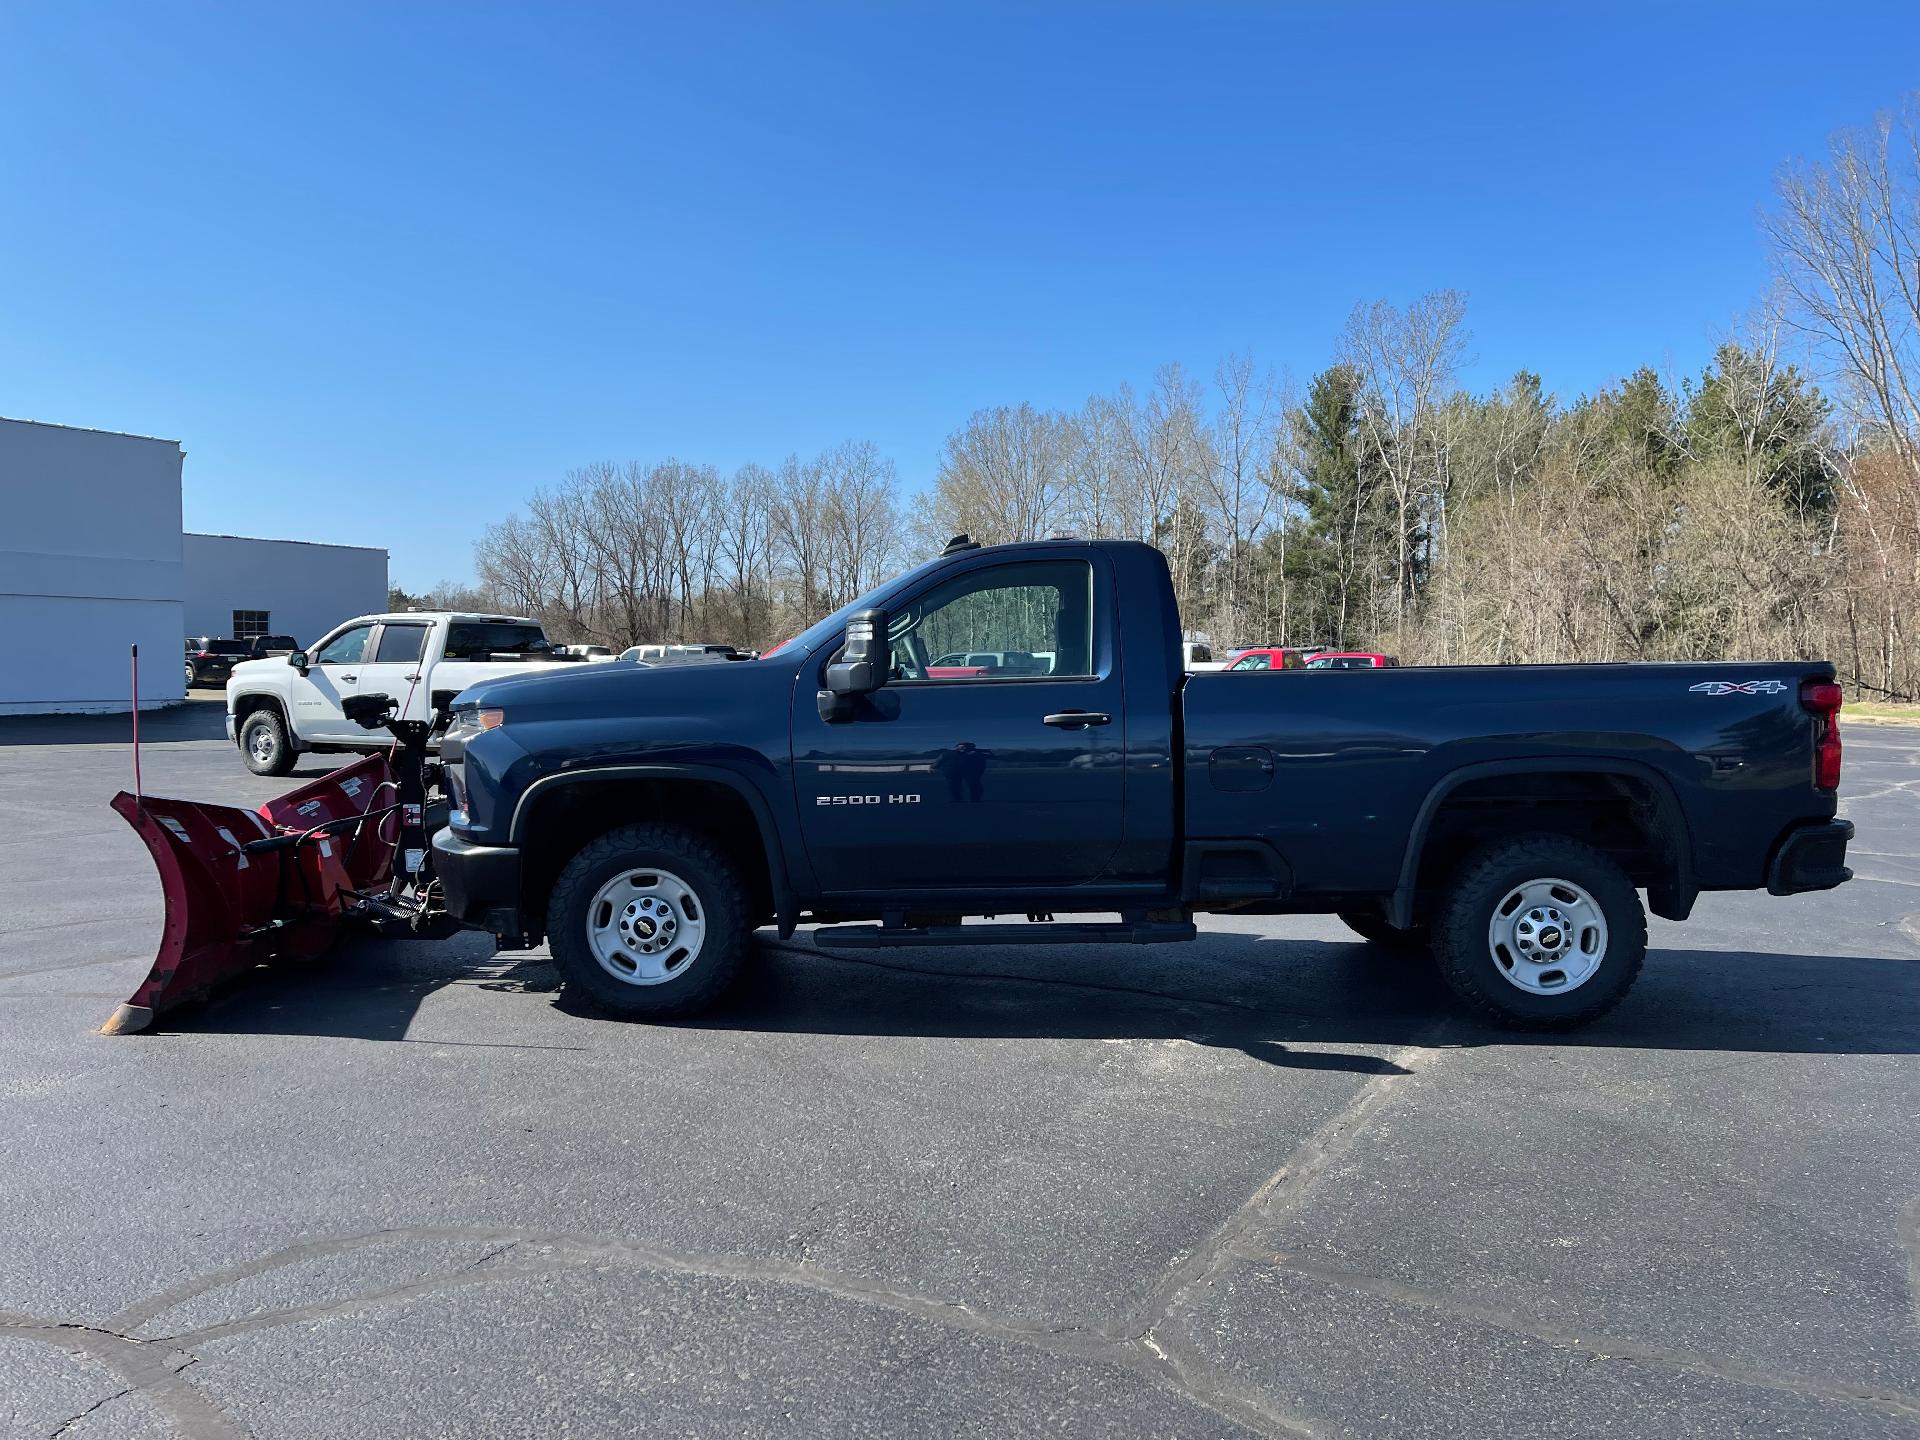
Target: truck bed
{"points": [[1336, 768]]}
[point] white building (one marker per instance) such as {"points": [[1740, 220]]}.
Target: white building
{"points": [[93, 561], [242, 588]]}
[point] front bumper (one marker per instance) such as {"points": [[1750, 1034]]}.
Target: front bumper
{"points": [[481, 884], [233, 737], [1812, 857]]}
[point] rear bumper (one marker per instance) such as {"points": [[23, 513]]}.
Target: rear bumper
{"points": [[1812, 857], [481, 884]]}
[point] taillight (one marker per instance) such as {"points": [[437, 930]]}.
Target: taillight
{"points": [[203, 654], [1821, 699]]}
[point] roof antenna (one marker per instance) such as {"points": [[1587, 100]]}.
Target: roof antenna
{"points": [[136, 728], [960, 542]]}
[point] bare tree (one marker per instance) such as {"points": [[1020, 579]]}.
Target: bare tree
{"points": [[1005, 474], [1408, 360], [1166, 455], [861, 519], [1239, 482], [1846, 243], [746, 555]]}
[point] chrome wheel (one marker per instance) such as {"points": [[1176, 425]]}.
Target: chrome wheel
{"points": [[1547, 936], [260, 744], [646, 926]]}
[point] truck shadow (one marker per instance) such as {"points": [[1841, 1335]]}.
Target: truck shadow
{"points": [[1280, 1001], [1269, 998], [363, 989]]}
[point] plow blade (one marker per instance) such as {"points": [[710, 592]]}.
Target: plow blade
{"points": [[244, 887]]}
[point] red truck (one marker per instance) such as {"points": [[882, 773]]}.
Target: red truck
{"points": [[1274, 657], [1351, 660]]}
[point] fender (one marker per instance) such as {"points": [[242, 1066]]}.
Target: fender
{"points": [[785, 909], [251, 700], [1673, 900]]}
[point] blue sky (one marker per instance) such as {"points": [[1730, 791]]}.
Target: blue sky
{"points": [[383, 270]]}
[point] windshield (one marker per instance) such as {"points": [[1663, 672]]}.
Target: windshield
{"points": [[822, 631]]}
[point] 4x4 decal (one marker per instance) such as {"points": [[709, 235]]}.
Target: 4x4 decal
{"points": [[1738, 687]]}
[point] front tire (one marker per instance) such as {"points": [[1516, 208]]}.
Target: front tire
{"points": [[264, 744], [1541, 932], [649, 922]]}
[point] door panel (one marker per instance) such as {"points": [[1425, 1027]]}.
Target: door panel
{"points": [[333, 675], [397, 668], [944, 781]]}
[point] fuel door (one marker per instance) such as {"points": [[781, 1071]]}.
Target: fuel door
{"points": [[1240, 768]]}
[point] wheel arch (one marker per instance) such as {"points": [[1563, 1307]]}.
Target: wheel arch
{"points": [[1672, 896], [544, 803], [245, 707]]}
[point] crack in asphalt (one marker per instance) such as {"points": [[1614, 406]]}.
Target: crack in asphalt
{"points": [[1907, 1230], [66, 1427], [1601, 1347], [1187, 1378], [143, 1368]]}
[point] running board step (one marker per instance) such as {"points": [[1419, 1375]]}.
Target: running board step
{"points": [[877, 937]]}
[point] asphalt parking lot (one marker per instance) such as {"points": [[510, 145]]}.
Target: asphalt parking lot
{"points": [[1267, 1184]]}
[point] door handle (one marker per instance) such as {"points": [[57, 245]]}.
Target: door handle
{"points": [[349, 679], [412, 679], [1076, 719]]}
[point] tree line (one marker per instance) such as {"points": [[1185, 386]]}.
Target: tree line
{"points": [[1767, 507]]}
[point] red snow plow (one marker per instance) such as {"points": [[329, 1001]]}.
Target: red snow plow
{"points": [[245, 887]]}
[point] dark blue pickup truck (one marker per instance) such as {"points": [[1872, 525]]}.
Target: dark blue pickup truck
{"points": [[646, 821]]}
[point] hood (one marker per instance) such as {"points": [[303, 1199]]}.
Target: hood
{"points": [[622, 688], [247, 669]]}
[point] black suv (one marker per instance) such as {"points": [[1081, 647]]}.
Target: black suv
{"points": [[210, 661]]}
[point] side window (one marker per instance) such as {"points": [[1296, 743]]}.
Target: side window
{"points": [[1252, 662], [349, 647], [400, 643], [478, 639], [1011, 622]]}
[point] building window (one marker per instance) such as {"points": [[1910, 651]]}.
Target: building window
{"points": [[250, 624]]}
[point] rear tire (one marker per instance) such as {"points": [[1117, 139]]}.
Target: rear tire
{"points": [[649, 922], [1374, 928], [1541, 932]]}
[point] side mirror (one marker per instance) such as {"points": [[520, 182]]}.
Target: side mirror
{"points": [[367, 711], [298, 659], [861, 668]]}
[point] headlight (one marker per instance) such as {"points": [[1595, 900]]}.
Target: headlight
{"points": [[471, 719]]}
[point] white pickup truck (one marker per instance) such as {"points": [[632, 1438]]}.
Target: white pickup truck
{"points": [[280, 707]]}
